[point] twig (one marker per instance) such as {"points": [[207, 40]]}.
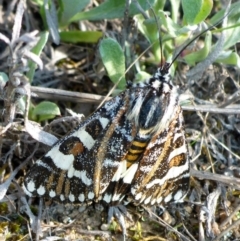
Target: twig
{"points": [[5, 128], [164, 224], [229, 110], [4, 186], [226, 231], [224, 146], [231, 181], [230, 216], [95, 232], [78, 97], [231, 99], [64, 95], [39, 230], [189, 234]]}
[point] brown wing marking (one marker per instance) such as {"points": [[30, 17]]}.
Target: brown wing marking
{"points": [[60, 183], [103, 146]]}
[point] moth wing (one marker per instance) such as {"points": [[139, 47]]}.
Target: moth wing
{"points": [[79, 167], [163, 172]]}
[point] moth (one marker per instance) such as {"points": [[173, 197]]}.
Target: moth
{"points": [[131, 149]]}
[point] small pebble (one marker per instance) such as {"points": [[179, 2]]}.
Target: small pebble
{"points": [[67, 220], [89, 228], [104, 227], [168, 218]]}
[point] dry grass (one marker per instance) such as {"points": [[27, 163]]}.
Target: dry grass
{"points": [[212, 207]]}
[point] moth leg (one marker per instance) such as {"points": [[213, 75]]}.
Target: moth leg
{"points": [[119, 212]]}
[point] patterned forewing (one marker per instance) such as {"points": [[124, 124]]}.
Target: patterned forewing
{"points": [[80, 166], [158, 149], [163, 173]]}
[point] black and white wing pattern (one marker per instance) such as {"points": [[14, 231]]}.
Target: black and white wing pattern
{"points": [[157, 163], [131, 149], [79, 167], [162, 174]]}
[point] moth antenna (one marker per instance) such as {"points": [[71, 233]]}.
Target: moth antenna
{"points": [[192, 40]]}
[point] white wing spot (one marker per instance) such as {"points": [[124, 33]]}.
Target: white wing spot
{"points": [[138, 196], [90, 195], [178, 195], [82, 175], [153, 201], [31, 186], [62, 197], [81, 198], [71, 197], [107, 198], [87, 181], [168, 198], [41, 190], [52, 193], [143, 198], [159, 200], [104, 122], [146, 201]]}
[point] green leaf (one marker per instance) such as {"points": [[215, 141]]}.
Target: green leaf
{"points": [[80, 36], [52, 20], [196, 11], [232, 36], [205, 10], [229, 58], [200, 55], [110, 9], [38, 2], [114, 61], [37, 49], [141, 76], [234, 11], [150, 30], [46, 110], [175, 9], [68, 8], [232, 30]]}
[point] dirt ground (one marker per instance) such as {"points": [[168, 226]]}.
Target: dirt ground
{"points": [[210, 211]]}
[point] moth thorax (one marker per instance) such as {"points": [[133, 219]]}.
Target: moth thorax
{"points": [[151, 112]]}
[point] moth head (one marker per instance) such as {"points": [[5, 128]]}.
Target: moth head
{"points": [[161, 76]]}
